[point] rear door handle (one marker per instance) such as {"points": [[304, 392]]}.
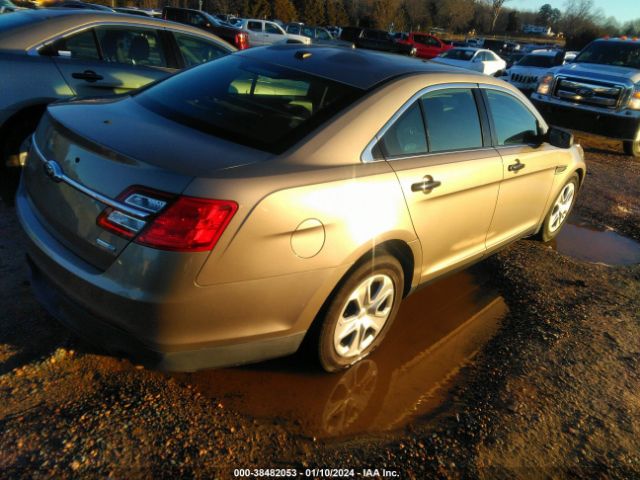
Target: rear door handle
{"points": [[88, 75], [514, 167], [426, 185]]}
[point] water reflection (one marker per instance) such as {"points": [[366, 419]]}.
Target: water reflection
{"points": [[438, 330], [586, 243]]}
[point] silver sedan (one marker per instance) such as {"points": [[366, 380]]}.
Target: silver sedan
{"points": [[50, 54]]}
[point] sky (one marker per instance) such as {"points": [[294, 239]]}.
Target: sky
{"points": [[622, 10]]}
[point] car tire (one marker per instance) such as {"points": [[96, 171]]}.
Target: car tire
{"points": [[631, 148], [359, 313], [17, 140], [560, 210]]}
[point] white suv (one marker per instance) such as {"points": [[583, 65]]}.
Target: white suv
{"points": [[264, 32]]}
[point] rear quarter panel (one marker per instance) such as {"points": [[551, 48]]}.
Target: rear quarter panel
{"points": [[29, 80]]}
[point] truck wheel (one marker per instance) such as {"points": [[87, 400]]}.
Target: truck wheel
{"points": [[632, 148]]}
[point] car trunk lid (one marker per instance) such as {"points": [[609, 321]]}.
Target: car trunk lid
{"points": [[71, 176]]}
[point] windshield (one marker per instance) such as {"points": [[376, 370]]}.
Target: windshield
{"points": [[607, 52], [541, 61], [458, 54], [249, 102]]}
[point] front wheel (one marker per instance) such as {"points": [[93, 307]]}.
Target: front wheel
{"points": [[360, 313], [560, 210]]}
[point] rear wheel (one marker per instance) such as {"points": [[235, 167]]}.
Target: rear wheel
{"points": [[360, 313], [14, 152], [560, 210]]}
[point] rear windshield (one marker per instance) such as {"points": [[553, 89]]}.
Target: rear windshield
{"points": [[249, 102], [619, 54], [542, 61]]}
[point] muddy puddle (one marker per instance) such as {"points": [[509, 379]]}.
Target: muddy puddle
{"points": [[588, 244], [438, 330]]}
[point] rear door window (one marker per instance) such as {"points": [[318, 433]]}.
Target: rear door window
{"points": [[80, 46], [452, 120], [131, 46], [513, 123], [254, 26], [406, 137]]}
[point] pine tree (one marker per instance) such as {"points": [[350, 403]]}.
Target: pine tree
{"points": [[337, 13], [284, 10], [313, 12]]}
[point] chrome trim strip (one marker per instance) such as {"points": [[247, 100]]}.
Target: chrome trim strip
{"points": [[62, 177], [131, 23], [367, 154]]}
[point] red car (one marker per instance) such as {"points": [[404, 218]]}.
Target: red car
{"points": [[427, 46]]}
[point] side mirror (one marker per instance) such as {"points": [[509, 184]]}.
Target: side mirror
{"points": [[559, 137]]}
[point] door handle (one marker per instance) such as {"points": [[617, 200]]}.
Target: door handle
{"points": [[426, 185], [88, 75], [514, 167]]}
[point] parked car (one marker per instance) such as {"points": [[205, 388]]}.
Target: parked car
{"points": [[139, 11], [427, 46], [81, 5], [527, 72], [598, 92], [281, 195], [477, 59], [264, 32], [375, 40], [6, 6], [318, 35], [50, 54], [199, 19]]}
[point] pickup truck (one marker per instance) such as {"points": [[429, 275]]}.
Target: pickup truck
{"points": [[197, 18], [599, 92], [375, 40], [427, 46]]}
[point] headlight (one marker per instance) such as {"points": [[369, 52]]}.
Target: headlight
{"points": [[544, 86], [634, 101]]}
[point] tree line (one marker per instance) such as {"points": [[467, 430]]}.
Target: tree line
{"points": [[579, 20]]}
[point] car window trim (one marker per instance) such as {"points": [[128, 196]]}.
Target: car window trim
{"points": [[367, 155], [35, 49], [483, 87]]}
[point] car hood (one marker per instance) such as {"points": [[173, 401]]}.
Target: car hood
{"points": [[607, 73], [528, 71], [124, 127]]}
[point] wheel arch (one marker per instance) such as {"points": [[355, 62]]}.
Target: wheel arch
{"points": [[27, 111]]}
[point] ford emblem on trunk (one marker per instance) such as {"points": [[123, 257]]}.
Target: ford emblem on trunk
{"points": [[53, 170]]}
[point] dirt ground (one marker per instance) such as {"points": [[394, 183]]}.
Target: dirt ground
{"points": [[555, 393]]}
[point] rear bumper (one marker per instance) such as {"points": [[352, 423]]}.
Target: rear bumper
{"points": [[100, 333], [201, 327], [618, 126]]}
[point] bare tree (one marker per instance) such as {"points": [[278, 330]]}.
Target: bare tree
{"points": [[496, 8]]}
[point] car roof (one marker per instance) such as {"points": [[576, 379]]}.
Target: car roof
{"points": [[356, 67], [42, 24]]}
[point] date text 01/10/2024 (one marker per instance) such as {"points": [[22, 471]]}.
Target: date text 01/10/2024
{"points": [[316, 472]]}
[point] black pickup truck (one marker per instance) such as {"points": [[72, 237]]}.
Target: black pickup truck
{"points": [[208, 22], [375, 40]]}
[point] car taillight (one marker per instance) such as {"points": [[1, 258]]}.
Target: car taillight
{"points": [[185, 224], [241, 41]]}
